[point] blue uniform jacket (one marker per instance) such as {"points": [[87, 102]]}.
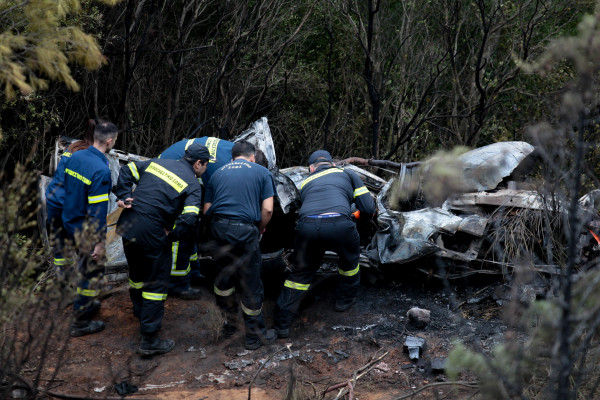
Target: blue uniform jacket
{"points": [[220, 153], [167, 197], [332, 190], [55, 192], [87, 184]]}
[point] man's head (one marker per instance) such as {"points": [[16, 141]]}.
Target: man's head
{"points": [[319, 157], [261, 159], [105, 134], [245, 150], [197, 155]]}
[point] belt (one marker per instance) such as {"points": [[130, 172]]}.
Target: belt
{"points": [[324, 215], [220, 217]]}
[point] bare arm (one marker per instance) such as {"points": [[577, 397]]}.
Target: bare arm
{"points": [[266, 212], [206, 207]]}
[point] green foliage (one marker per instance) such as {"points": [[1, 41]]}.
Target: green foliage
{"points": [[35, 46]]}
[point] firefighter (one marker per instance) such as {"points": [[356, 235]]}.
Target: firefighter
{"points": [[325, 223], [185, 266], [239, 202], [55, 197], [87, 184], [163, 209]]}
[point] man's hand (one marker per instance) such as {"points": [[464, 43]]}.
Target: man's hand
{"points": [[126, 203], [98, 252]]}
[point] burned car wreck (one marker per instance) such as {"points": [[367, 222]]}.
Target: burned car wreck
{"points": [[494, 220]]}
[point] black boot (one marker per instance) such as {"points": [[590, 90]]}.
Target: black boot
{"points": [[187, 294], [85, 327], [152, 345], [253, 342]]}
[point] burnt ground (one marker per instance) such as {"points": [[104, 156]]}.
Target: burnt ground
{"points": [[325, 347]]}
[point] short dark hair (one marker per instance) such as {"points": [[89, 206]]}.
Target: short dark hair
{"points": [[105, 130], [242, 148], [261, 158]]}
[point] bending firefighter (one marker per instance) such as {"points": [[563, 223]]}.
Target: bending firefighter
{"points": [[163, 209], [325, 223]]}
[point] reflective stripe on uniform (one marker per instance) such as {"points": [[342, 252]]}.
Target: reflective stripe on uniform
{"points": [[62, 261], [211, 144], [172, 179], [297, 286], [320, 174], [97, 199], [174, 252], [154, 296], [360, 190], [88, 292], [224, 293], [249, 311], [134, 171], [78, 176], [194, 257], [180, 272], [351, 272], [136, 285], [66, 154], [189, 143], [191, 210]]}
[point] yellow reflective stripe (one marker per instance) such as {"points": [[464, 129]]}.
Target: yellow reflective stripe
{"points": [[211, 144], [180, 272], [136, 285], [62, 261], [360, 190], [194, 257], [295, 285], [351, 272], [88, 292], [189, 143], [78, 176], [174, 252], [249, 311], [134, 171], [97, 199], [67, 154], [191, 210], [154, 296], [173, 180], [320, 174], [224, 293]]}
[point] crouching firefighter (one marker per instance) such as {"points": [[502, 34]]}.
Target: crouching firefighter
{"points": [[163, 209]]}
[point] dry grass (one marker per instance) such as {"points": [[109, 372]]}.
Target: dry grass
{"points": [[214, 321]]}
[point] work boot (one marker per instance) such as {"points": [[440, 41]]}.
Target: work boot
{"points": [[85, 327], [343, 305], [152, 345], [228, 329], [254, 342], [282, 333], [187, 294]]}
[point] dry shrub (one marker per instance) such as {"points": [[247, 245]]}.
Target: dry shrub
{"points": [[215, 318]]}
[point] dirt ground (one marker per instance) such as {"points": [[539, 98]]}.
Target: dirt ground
{"points": [[325, 347]]}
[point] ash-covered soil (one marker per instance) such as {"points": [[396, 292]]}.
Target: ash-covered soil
{"points": [[325, 347]]}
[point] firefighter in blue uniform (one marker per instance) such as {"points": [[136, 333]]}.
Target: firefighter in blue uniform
{"points": [[163, 209], [325, 223], [239, 202], [185, 265], [87, 185], [55, 197]]}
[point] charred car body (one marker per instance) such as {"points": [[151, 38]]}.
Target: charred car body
{"points": [[492, 222]]}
